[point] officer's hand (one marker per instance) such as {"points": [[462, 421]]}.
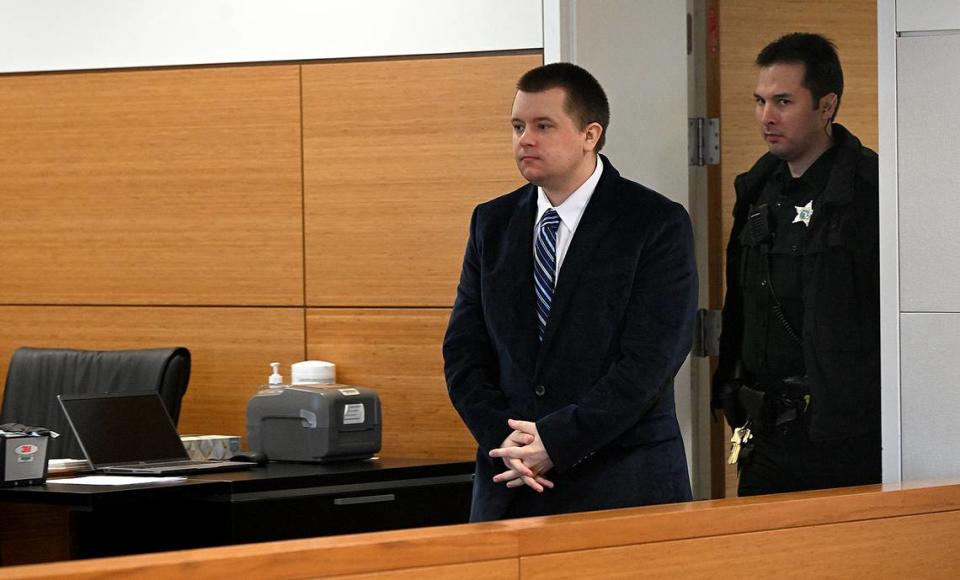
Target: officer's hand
{"points": [[728, 394]]}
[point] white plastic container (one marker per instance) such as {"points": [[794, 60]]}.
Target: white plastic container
{"points": [[313, 372]]}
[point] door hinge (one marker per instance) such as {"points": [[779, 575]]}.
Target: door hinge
{"points": [[706, 339], [703, 141]]}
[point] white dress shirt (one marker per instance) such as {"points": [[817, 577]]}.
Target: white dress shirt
{"points": [[570, 212]]}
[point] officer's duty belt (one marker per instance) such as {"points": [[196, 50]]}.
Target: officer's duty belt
{"points": [[775, 404]]}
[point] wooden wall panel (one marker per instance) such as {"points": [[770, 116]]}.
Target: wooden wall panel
{"points": [[398, 353], [920, 546], [141, 207], [396, 154], [177, 186], [746, 26], [231, 348]]}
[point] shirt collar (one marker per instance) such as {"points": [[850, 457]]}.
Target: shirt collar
{"points": [[817, 175], [572, 208]]}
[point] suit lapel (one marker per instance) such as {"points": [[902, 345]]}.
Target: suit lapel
{"points": [[521, 300], [600, 212]]}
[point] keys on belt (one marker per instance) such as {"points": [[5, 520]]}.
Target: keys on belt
{"points": [[741, 435]]}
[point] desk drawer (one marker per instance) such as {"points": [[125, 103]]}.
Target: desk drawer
{"points": [[345, 509]]}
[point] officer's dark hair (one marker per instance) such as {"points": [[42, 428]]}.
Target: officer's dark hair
{"points": [[823, 74], [586, 102]]}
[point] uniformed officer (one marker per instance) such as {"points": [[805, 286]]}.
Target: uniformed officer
{"points": [[799, 372]]}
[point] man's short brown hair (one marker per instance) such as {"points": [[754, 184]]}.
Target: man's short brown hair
{"points": [[586, 102]]}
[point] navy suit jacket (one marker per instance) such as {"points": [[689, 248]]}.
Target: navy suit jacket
{"points": [[600, 386]]}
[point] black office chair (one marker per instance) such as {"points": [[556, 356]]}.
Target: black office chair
{"points": [[37, 375]]}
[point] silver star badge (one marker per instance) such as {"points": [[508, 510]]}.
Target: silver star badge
{"points": [[804, 213]]}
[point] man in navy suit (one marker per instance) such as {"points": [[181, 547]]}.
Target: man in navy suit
{"points": [[574, 312]]}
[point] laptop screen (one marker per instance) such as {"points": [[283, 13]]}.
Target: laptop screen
{"points": [[114, 429]]}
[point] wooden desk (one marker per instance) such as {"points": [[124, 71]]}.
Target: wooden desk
{"points": [[273, 502]]}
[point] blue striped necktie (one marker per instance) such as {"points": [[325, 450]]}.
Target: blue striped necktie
{"points": [[545, 266]]}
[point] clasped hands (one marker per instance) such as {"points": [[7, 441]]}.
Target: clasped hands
{"points": [[524, 456]]}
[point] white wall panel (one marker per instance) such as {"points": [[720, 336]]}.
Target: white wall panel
{"points": [[44, 35], [928, 123], [639, 55], [920, 15], [930, 381], [923, 398], [889, 241], [638, 52]]}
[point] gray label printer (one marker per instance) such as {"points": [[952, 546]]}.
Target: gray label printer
{"points": [[314, 423]]}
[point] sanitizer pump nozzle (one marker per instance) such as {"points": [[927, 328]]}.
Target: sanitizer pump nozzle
{"points": [[275, 379]]}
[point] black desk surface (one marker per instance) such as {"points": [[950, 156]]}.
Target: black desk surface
{"points": [[272, 502], [293, 475], [272, 477]]}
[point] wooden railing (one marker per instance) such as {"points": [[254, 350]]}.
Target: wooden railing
{"points": [[868, 532]]}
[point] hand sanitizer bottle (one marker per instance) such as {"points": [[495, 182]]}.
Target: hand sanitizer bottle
{"points": [[276, 379]]}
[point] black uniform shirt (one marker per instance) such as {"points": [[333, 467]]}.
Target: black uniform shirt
{"points": [[770, 352]]}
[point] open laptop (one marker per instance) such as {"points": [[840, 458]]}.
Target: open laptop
{"points": [[132, 434]]}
